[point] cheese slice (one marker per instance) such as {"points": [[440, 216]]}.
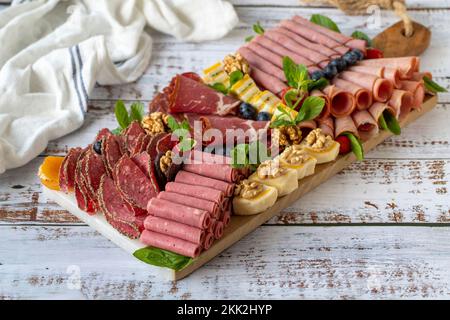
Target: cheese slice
{"points": [[216, 74], [277, 112], [265, 101], [245, 89], [284, 184], [258, 204], [303, 169]]}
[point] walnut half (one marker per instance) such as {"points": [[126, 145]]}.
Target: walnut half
{"points": [[155, 122]]}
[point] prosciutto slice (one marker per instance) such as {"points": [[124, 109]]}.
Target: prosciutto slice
{"points": [[342, 103], [406, 65], [188, 95], [345, 124], [174, 229], [256, 61], [366, 125], [402, 102], [159, 240], [200, 192], [327, 126], [196, 179], [210, 206], [327, 108], [417, 88], [267, 81], [363, 97], [381, 88]]}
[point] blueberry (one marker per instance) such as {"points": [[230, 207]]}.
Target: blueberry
{"points": [[350, 58], [98, 147], [358, 53], [330, 71], [339, 63], [247, 111], [316, 75], [263, 116]]}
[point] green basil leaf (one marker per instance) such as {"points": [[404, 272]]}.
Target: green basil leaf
{"points": [[356, 145], [235, 76], [361, 35], [280, 123], [172, 124], [249, 38], [257, 152], [186, 144], [258, 28], [311, 108], [382, 123], [432, 86], [117, 131], [318, 84], [185, 125], [325, 22], [392, 123], [220, 87], [162, 258], [122, 114], [239, 156], [137, 111]]}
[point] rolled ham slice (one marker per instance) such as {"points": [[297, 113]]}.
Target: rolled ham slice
{"points": [[366, 125], [377, 109], [196, 179], [341, 103], [381, 88], [174, 229], [210, 206], [393, 75], [327, 108], [375, 70], [290, 44], [402, 102], [406, 65], [267, 81], [222, 172], [418, 76], [218, 229], [209, 240], [200, 192], [256, 61], [180, 213], [327, 126], [226, 218], [344, 124], [162, 241], [363, 97], [417, 88], [307, 126], [282, 51]]}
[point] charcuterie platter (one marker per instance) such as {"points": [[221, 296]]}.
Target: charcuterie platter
{"points": [[218, 154]]}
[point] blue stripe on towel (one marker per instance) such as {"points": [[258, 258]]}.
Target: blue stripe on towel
{"points": [[83, 87], [74, 78]]}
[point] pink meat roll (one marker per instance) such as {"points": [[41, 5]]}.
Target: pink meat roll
{"points": [[417, 88], [327, 126], [222, 172], [327, 108], [210, 206], [282, 51], [375, 70], [174, 229], [162, 241], [290, 44], [342, 103], [344, 124], [402, 102], [363, 97], [226, 204], [307, 126], [218, 230], [366, 125], [200, 192], [418, 76], [209, 240], [378, 108], [267, 81], [196, 179], [406, 65], [200, 157], [392, 75], [225, 218], [314, 36], [256, 61], [180, 213], [381, 88]]}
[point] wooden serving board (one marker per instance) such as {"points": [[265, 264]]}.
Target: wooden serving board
{"points": [[239, 226]]}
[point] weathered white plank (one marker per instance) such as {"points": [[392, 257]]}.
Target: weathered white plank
{"points": [[272, 262], [374, 191]]}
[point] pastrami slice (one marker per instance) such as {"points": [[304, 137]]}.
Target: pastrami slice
{"points": [[145, 163], [94, 170], [111, 152], [67, 170], [132, 133]]}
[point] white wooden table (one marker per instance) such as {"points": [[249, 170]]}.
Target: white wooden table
{"points": [[380, 229]]}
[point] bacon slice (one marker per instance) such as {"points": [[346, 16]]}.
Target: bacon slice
{"points": [[366, 125], [381, 88], [169, 243], [342, 103], [363, 97]]}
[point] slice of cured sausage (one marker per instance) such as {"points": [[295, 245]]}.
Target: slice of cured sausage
{"points": [[174, 229], [173, 244], [196, 179], [210, 206]]}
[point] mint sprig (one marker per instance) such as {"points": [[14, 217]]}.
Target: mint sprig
{"points": [[182, 131], [311, 108], [124, 118], [258, 29]]}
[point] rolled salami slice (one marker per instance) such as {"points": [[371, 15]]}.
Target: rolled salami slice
{"points": [[67, 170], [327, 126], [363, 96], [344, 124], [180, 213], [402, 102], [267, 81], [342, 103], [377, 109], [406, 65], [210, 206], [222, 172], [381, 88], [196, 179], [162, 241], [417, 88], [256, 61], [209, 240], [174, 229], [366, 125], [327, 108], [196, 191], [218, 230], [226, 218]]}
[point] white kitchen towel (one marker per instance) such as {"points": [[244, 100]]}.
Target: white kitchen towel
{"points": [[53, 52]]}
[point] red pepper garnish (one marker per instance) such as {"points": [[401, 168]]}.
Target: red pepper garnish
{"points": [[345, 146], [373, 53]]}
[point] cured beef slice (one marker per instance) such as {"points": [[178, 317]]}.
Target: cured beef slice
{"points": [[210, 206], [94, 170], [117, 211], [173, 244], [103, 133], [151, 146], [174, 229], [84, 201], [180, 213], [111, 152], [188, 95], [132, 134], [145, 163], [133, 184], [196, 179], [196, 191], [67, 170]]}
